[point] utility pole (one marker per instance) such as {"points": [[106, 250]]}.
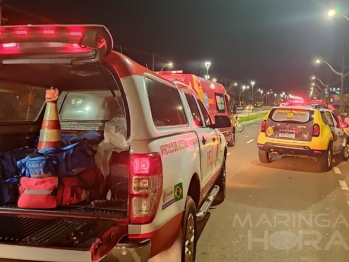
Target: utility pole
{"points": [[0, 12], [342, 86], [153, 60]]}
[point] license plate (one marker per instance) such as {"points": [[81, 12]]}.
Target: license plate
{"points": [[287, 135]]}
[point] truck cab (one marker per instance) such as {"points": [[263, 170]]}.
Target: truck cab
{"points": [[212, 94]]}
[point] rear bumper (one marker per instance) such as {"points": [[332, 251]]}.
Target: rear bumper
{"points": [[129, 251], [284, 149]]}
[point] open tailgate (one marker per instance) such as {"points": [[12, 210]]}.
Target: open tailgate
{"points": [[63, 44], [24, 237]]}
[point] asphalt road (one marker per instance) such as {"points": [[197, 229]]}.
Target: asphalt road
{"points": [[283, 211]]}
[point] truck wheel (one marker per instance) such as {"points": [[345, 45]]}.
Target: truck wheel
{"points": [[264, 156], [231, 143], [221, 182], [189, 232], [325, 161]]}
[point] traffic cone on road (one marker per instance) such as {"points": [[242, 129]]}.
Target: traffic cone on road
{"points": [[50, 133]]}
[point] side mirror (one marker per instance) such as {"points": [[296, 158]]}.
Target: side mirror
{"points": [[221, 122]]}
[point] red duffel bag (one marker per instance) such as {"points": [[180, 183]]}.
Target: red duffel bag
{"points": [[38, 192], [84, 187]]}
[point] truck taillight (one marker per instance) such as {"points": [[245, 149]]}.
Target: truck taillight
{"points": [[145, 187], [316, 130], [263, 126]]}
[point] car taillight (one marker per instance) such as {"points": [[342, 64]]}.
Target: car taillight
{"points": [[263, 126], [316, 130], [145, 186]]}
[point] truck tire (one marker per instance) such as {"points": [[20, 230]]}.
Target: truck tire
{"points": [[263, 156], [231, 143], [189, 231], [325, 161], [221, 182]]}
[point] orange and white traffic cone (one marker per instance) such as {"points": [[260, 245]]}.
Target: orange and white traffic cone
{"points": [[50, 133]]}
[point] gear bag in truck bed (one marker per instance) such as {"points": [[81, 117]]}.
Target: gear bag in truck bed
{"points": [[66, 161], [54, 191]]}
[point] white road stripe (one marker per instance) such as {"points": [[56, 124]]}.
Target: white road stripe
{"points": [[249, 141], [246, 136], [255, 125], [228, 154], [337, 171], [343, 185]]}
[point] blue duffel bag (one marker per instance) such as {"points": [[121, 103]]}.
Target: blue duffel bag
{"points": [[65, 161], [8, 166], [9, 191]]}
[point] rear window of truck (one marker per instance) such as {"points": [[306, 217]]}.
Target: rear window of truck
{"points": [[291, 115], [91, 106]]}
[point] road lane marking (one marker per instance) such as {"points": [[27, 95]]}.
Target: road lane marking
{"points": [[337, 171], [246, 136], [249, 141], [255, 125], [343, 185], [228, 154]]}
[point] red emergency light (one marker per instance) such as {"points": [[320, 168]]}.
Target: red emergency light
{"points": [[63, 39], [170, 72]]}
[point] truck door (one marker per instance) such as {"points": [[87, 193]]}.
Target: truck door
{"points": [[205, 137], [337, 131], [210, 145]]}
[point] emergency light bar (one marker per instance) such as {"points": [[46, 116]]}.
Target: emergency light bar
{"points": [[169, 72], [36, 41]]}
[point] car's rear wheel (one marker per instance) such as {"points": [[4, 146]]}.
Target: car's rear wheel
{"points": [[264, 156], [325, 161]]}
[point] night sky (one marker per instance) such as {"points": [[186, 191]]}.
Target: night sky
{"points": [[273, 42]]}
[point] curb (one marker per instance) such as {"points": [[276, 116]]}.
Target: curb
{"points": [[252, 121], [251, 114]]}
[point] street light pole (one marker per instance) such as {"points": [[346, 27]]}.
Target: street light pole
{"points": [[327, 88], [342, 76], [207, 65], [252, 84], [169, 64]]}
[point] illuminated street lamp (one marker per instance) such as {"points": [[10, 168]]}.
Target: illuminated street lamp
{"points": [[214, 79], [342, 75], [332, 13], [252, 84], [207, 65], [170, 64], [243, 92], [327, 87]]}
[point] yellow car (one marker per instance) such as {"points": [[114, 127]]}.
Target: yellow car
{"points": [[302, 131]]}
